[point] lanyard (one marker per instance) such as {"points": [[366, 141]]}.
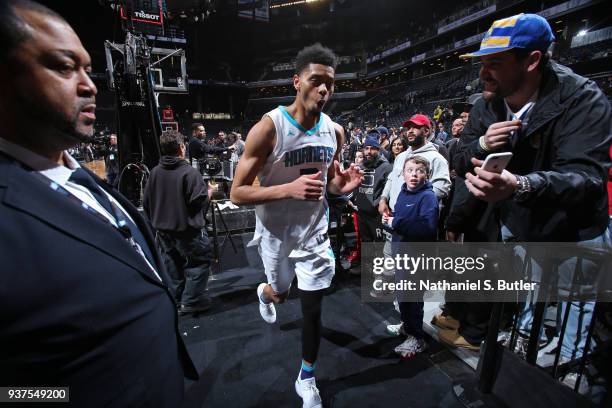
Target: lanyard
{"points": [[120, 219]]}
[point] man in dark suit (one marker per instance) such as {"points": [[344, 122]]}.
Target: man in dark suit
{"points": [[84, 299]]}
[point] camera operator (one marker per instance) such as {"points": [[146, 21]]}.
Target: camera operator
{"points": [[198, 148], [175, 200]]}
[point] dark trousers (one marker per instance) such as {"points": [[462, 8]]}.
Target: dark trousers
{"points": [[370, 227], [411, 313], [111, 178], [187, 257], [412, 316]]}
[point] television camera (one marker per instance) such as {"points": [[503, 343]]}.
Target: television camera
{"points": [[216, 166]]}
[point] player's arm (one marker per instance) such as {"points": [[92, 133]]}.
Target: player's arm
{"points": [[259, 145], [338, 181]]}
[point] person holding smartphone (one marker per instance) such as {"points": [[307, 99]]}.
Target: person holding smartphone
{"points": [[558, 125]]}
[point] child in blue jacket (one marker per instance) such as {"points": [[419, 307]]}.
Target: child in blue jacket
{"points": [[415, 219]]}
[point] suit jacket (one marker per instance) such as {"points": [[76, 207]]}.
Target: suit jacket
{"points": [[78, 306]]}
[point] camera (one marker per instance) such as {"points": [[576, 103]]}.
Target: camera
{"points": [[101, 140], [216, 167]]}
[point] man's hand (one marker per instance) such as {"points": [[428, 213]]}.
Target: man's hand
{"points": [[308, 187], [346, 181], [488, 186], [383, 207], [498, 134]]}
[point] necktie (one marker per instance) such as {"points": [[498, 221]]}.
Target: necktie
{"points": [[81, 177]]}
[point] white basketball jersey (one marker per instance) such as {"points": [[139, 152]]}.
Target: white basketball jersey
{"points": [[295, 224]]}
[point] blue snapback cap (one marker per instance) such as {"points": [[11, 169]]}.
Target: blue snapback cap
{"points": [[526, 31]]}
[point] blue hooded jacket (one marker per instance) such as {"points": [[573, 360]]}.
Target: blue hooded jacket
{"points": [[415, 216]]}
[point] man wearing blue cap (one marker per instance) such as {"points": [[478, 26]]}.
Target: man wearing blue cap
{"points": [[376, 169], [558, 125]]}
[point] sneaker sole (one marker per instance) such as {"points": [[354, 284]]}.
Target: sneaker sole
{"points": [[411, 355], [462, 346]]}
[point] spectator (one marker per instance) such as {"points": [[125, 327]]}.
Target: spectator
{"points": [[399, 145], [437, 113], [553, 189], [453, 143], [437, 143], [359, 157], [355, 145], [384, 140], [376, 169], [414, 219], [441, 135], [447, 116], [239, 143], [419, 128], [236, 146]]}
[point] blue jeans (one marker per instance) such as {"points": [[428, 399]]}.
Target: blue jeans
{"points": [[187, 258], [580, 313]]}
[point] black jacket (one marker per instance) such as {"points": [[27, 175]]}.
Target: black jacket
{"points": [[86, 311], [563, 151], [175, 196], [198, 149], [368, 193]]}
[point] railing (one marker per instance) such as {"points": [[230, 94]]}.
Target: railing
{"points": [[592, 37]]}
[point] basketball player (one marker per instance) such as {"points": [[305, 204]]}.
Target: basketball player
{"points": [[294, 152]]}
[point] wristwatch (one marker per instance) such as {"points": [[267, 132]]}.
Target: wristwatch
{"points": [[523, 188]]}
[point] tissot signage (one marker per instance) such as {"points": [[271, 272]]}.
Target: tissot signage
{"points": [[144, 16]]}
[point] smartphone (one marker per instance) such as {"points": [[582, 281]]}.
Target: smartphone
{"points": [[496, 162]]}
